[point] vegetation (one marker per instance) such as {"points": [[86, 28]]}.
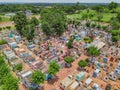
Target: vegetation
{"points": [[70, 43], [83, 63], [53, 22], [92, 50], [38, 77], [88, 40], [20, 20], [3, 42], [7, 81], [25, 26], [18, 67], [4, 19], [53, 68], [68, 60]]}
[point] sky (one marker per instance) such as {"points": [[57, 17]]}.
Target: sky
{"points": [[63, 1]]}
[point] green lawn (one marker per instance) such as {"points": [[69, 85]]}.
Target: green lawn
{"points": [[106, 16], [4, 18]]}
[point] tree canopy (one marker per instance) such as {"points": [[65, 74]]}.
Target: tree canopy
{"points": [[82, 63], [20, 21], [38, 77], [69, 59], [7, 81], [53, 22], [53, 68], [92, 50]]}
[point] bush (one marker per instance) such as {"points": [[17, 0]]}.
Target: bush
{"points": [[69, 59], [93, 25], [87, 40], [3, 42], [83, 63]]}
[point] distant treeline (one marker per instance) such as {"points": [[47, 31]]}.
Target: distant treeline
{"points": [[68, 8]]}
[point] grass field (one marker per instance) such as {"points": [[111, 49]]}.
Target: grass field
{"points": [[106, 16], [4, 18]]}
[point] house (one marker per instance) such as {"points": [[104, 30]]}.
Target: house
{"points": [[80, 76], [87, 82], [74, 85], [64, 84]]}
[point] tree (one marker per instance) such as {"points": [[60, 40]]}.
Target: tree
{"points": [[38, 77], [0, 19], [115, 24], [10, 83], [70, 43], [1, 29], [99, 16], [8, 27], [84, 16], [68, 60], [18, 67], [46, 28], [98, 8], [112, 5], [98, 26], [53, 68], [28, 32], [88, 24], [108, 87], [93, 25], [7, 81], [92, 50], [34, 21], [55, 21], [82, 63], [20, 21], [118, 16], [115, 38]]}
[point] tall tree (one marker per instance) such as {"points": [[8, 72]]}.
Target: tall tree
{"points": [[34, 21], [20, 21], [38, 77], [28, 32], [46, 28], [53, 68], [55, 21], [112, 5]]}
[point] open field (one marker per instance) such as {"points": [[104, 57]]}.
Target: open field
{"points": [[106, 16]]}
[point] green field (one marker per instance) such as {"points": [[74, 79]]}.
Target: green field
{"points": [[106, 16], [4, 18]]}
